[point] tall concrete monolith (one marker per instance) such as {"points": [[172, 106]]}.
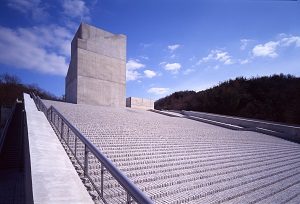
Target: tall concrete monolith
{"points": [[97, 71]]}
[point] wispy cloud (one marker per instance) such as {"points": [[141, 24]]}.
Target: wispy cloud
{"points": [[174, 47], [132, 67], [192, 58], [244, 43], [76, 9], [217, 55], [244, 61], [144, 57], [290, 40], [145, 45], [158, 91], [172, 67], [149, 73], [188, 71], [32, 8], [43, 49]]}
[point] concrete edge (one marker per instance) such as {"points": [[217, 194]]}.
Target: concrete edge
{"points": [[54, 178], [291, 133], [163, 113]]}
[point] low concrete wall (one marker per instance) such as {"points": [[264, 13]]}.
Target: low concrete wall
{"points": [[286, 131], [54, 179], [139, 103]]}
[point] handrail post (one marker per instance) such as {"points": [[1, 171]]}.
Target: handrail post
{"points": [[54, 119], [62, 128], [128, 198], [51, 111], [47, 113], [102, 172], [75, 151], [86, 160], [68, 135]]}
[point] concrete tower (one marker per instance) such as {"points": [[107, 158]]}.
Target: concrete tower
{"points": [[97, 71]]}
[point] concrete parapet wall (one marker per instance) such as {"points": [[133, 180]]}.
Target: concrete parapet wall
{"points": [[139, 103], [287, 131], [54, 179]]}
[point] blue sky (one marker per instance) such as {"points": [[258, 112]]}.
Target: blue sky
{"points": [[172, 45]]}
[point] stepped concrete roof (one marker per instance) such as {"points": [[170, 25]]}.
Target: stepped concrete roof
{"points": [[177, 160]]}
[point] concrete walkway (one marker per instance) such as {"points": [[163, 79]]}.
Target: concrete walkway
{"points": [[54, 179], [178, 160]]}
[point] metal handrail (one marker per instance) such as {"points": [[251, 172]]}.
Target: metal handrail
{"points": [[39, 104], [130, 188]]}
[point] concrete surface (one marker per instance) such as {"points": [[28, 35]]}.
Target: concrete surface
{"points": [[178, 160], [277, 129], [97, 71], [139, 103], [54, 179]]}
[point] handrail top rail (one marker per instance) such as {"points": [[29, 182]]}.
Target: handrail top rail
{"points": [[127, 184]]}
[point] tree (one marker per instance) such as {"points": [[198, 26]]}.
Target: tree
{"points": [[274, 98]]}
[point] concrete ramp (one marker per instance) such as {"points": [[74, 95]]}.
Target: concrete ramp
{"points": [[178, 160], [54, 179]]}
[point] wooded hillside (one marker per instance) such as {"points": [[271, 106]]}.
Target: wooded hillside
{"points": [[274, 98], [12, 88]]}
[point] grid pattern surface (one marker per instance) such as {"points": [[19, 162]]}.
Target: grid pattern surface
{"points": [[177, 160]]}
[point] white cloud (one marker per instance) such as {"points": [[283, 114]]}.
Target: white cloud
{"points": [[158, 91], [43, 49], [132, 75], [245, 61], [172, 67], [172, 48], [131, 69], [266, 50], [33, 8], [288, 41], [217, 55], [76, 9], [149, 73], [188, 71], [173, 56], [144, 57], [244, 43], [269, 49], [134, 64]]}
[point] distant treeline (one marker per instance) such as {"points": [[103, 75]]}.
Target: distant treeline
{"points": [[274, 98], [12, 88]]}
